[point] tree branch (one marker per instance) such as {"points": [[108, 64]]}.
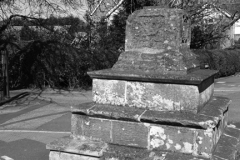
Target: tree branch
{"points": [[114, 8], [226, 27], [96, 7]]}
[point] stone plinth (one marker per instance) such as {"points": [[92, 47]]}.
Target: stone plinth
{"points": [[70, 148], [150, 91], [154, 104], [151, 96], [188, 133]]}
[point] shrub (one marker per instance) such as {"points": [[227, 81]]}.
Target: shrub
{"points": [[226, 61]]}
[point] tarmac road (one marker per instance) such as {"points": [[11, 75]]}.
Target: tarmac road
{"points": [[27, 124]]}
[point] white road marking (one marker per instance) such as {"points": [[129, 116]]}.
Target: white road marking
{"points": [[223, 90], [232, 126], [6, 158], [31, 131], [221, 82]]}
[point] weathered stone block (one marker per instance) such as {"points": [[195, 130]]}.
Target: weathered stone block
{"points": [[205, 142], [153, 96], [69, 148], [109, 91], [96, 129], [170, 97], [171, 138], [111, 131], [189, 140], [129, 134], [154, 29], [158, 40], [76, 147]]}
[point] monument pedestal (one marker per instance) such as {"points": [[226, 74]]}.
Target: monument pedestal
{"points": [[98, 128], [154, 104]]}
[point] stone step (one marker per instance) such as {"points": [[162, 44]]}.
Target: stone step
{"points": [[69, 148], [200, 142], [189, 133], [209, 116]]}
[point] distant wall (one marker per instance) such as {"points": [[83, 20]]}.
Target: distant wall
{"points": [[237, 30], [229, 41]]}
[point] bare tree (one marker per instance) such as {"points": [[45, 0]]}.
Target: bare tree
{"points": [[30, 59], [199, 12]]}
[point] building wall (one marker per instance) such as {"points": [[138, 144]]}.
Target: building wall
{"points": [[229, 41], [237, 31]]}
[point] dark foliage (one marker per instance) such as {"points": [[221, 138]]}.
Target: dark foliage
{"points": [[226, 61], [50, 59]]}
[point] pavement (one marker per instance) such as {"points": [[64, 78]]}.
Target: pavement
{"points": [[33, 118]]}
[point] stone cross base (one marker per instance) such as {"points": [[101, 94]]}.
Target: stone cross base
{"points": [[154, 104], [107, 132]]}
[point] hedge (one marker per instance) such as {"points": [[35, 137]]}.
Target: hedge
{"points": [[226, 61]]}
